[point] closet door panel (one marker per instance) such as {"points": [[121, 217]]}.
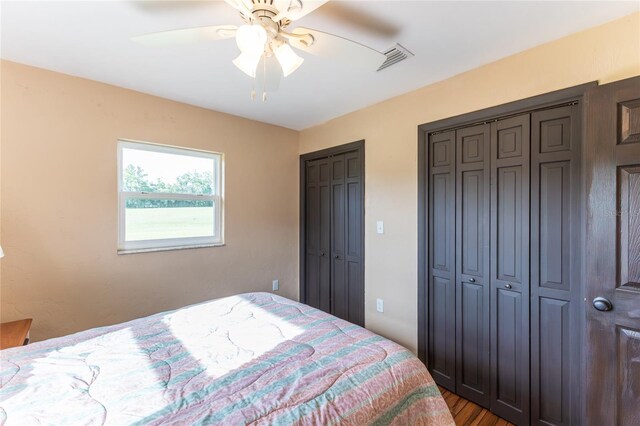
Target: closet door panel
{"points": [[442, 188], [509, 372], [339, 289], [472, 227], [552, 379], [317, 234], [312, 237], [353, 245], [442, 362], [555, 248], [472, 263], [510, 268], [325, 238], [472, 357], [510, 213], [553, 227], [442, 288]]}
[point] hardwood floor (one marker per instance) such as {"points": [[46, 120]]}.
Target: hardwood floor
{"points": [[467, 413]]}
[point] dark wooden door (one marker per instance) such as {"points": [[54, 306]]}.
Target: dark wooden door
{"points": [[332, 276], [347, 285], [613, 254], [556, 245], [442, 249], [534, 271], [473, 153], [318, 234], [510, 268]]}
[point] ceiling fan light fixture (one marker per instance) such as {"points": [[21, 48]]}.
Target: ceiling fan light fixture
{"points": [[251, 38], [288, 59], [248, 62]]}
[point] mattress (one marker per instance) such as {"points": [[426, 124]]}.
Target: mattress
{"points": [[253, 358]]}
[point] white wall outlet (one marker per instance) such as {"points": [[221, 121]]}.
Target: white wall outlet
{"points": [[380, 305], [380, 227], [276, 285]]}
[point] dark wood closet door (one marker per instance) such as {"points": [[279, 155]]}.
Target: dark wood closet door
{"points": [[442, 288], [473, 151], [331, 223], [556, 228], [613, 254], [510, 268], [318, 234], [353, 249], [347, 285]]}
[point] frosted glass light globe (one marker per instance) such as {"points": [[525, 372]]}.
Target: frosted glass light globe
{"points": [[288, 59], [248, 62], [251, 38]]}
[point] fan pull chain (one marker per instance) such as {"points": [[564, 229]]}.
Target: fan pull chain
{"points": [[264, 78]]}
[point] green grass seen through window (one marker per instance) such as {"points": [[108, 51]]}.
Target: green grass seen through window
{"points": [[175, 222]]}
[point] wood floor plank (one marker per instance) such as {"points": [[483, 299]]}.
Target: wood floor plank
{"points": [[458, 406], [451, 399], [489, 419], [478, 419], [467, 413]]}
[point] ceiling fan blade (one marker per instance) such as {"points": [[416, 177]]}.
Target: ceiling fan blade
{"points": [[339, 48], [187, 35], [174, 6], [244, 6], [360, 18], [299, 8]]}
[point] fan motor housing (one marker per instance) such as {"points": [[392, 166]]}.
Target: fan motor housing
{"points": [[264, 9]]}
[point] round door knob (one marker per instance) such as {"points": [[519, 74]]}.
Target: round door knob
{"points": [[336, 256], [602, 304], [507, 286], [322, 254], [472, 280]]}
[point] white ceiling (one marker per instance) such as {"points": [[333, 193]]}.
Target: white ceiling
{"points": [[91, 39]]}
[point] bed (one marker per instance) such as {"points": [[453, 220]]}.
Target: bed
{"points": [[254, 358]]}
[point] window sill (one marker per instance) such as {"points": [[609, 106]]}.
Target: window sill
{"points": [[150, 250]]}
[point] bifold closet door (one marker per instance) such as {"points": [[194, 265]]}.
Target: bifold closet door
{"points": [[510, 140], [334, 247], [505, 225], [318, 234], [473, 151], [347, 284], [555, 268], [442, 286]]}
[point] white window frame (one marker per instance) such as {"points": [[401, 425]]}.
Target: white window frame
{"points": [[126, 247]]}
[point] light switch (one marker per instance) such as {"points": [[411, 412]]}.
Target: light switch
{"points": [[276, 285], [380, 305], [380, 227]]}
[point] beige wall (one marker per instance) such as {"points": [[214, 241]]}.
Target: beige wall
{"points": [[58, 186], [607, 53], [59, 204]]}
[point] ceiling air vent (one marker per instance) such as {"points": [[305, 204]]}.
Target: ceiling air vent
{"points": [[397, 53]]}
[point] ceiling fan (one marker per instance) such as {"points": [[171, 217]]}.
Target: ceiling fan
{"points": [[263, 37]]}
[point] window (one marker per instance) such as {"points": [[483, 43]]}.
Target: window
{"points": [[169, 198]]}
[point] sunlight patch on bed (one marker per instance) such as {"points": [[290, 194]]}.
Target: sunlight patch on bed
{"points": [[90, 377], [232, 331]]}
